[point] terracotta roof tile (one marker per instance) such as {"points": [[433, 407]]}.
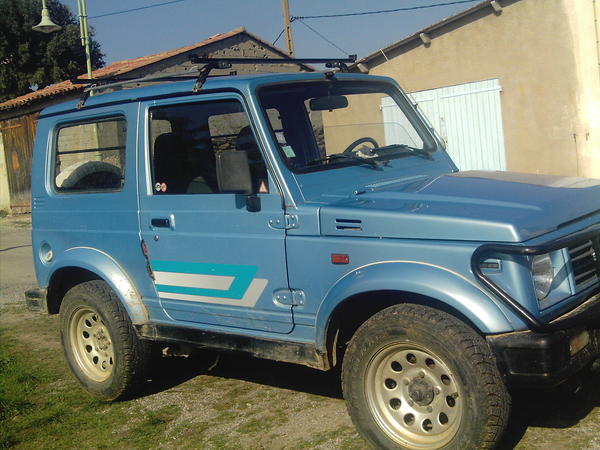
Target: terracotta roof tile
{"points": [[116, 68]]}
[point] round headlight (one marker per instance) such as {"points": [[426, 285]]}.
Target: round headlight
{"points": [[543, 275]]}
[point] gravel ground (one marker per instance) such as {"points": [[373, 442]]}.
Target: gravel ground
{"points": [[232, 401]]}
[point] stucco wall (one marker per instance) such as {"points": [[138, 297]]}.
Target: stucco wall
{"points": [[549, 102]]}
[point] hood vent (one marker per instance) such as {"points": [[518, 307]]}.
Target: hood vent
{"points": [[348, 224]]}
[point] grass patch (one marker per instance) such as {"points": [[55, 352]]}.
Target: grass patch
{"points": [[41, 405]]}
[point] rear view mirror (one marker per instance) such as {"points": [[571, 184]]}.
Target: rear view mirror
{"points": [[328, 103], [233, 172]]}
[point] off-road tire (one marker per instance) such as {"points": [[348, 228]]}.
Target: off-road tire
{"points": [[94, 324], [406, 348]]}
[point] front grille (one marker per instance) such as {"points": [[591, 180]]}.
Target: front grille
{"points": [[585, 261]]}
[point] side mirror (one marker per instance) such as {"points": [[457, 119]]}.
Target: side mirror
{"points": [[233, 175], [233, 172]]}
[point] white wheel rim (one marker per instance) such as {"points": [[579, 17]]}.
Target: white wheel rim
{"points": [[414, 396], [91, 344]]}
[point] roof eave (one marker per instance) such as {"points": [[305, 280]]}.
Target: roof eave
{"points": [[416, 36]]}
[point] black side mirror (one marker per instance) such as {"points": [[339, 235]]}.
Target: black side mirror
{"points": [[233, 175], [233, 172]]}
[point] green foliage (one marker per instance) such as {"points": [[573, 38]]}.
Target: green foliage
{"points": [[29, 57]]}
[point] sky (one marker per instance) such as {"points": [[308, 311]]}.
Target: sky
{"points": [[154, 30]]}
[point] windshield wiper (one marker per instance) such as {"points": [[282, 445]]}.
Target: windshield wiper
{"points": [[400, 149], [347, 157]]}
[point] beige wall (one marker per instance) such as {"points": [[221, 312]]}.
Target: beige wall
{"points": [[344, 126], [544, 53], [4, 192], [584, 22]]}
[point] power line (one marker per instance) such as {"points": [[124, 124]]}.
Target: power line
{"points": [[278, 36], [365, 13], [321, 36], [135, 9]]}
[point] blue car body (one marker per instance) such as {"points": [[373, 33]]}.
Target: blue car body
{"points": [[189, 267]]}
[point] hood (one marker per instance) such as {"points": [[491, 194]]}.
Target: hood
{"points": [[470, 205]]}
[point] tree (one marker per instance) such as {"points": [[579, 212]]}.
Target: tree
{"points": [[29, 58]]}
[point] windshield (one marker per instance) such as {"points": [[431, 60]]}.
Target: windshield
{"points": [[332, 124]]}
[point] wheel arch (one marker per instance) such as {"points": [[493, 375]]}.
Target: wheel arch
{"points": [[369, 289], [82, 264]]}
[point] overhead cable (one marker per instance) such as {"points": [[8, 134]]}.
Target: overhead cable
{"points": [[382, 11], [322, 37], [278, 36], [135, 9]]}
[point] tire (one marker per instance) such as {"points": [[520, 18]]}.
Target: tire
{"points": [[100, 344], [415, 377]]}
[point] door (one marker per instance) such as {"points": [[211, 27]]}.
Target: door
{"points": [[468, 117], [214, 261]]}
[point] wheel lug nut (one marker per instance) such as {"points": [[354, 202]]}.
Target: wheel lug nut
{"points": [[405, 381], [436, 391], [410, 403], [429, 409], [421, 374]]}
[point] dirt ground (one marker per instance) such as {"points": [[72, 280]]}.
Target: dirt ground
{"points": [[217, 400]]}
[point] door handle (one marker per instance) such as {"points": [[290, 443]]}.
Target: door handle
{"points": [[161, 223]]}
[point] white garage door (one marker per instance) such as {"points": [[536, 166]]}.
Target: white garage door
{"points": [[469, 119]]}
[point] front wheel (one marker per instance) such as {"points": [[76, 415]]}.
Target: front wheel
{"points": [[100, 344], [415, 377]]}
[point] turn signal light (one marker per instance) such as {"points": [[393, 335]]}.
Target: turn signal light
{"points": [[340, 258]]}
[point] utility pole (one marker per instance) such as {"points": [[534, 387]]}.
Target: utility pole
{"points": [[287, 26]]}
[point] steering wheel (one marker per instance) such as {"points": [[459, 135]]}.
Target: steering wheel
{"points": [[357, 142]]}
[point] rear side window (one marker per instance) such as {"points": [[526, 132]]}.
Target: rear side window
{"points": [[90, 157]]}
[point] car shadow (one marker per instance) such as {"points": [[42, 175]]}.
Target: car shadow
{"points": [[170, 371], [561, 407]]}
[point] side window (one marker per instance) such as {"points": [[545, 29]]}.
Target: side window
{"points": [[185, 140], [90, 157]]}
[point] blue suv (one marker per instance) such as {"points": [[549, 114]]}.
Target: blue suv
{"points": [[312, 218]]}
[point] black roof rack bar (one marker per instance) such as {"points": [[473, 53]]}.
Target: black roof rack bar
{"points": [[99, 84], [208, 66], [334, 62], [104, 83]]}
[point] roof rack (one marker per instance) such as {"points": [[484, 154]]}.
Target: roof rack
{"points": [[99, 84]]}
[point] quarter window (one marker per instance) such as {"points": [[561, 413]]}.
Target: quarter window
{"points": [[90, 157]]}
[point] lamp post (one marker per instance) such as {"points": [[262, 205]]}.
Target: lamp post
{"points": [[85, 35], [47, 26]]}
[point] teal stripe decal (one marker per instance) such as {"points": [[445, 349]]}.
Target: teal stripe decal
{"points": [[243, 276]]}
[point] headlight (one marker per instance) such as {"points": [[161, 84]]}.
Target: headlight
{"points": [[543, 275]]}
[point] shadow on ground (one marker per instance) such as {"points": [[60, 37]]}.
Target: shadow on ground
{"points": [[171, 371], [560, 407]]}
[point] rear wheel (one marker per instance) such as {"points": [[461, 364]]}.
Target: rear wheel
{"points": [[415, 377], [100, 344]]}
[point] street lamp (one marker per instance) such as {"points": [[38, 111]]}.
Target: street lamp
{"points": [[85, 35], [46, 25]]}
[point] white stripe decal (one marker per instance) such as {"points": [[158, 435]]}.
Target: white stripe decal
{"points": [[249, 299], [219, 282]]}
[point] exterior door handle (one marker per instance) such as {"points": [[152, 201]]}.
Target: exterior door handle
{"points": [[160, 223]]}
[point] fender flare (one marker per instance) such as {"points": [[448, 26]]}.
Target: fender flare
{"points": [[437, 282], [103, 265]]}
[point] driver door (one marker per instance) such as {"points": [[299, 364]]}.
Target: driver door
{"points": [[214, 262]]}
